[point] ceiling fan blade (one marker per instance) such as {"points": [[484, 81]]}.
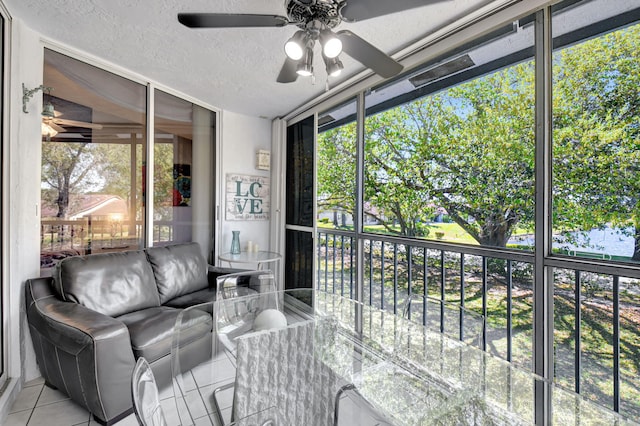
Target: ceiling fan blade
{"points": [[288, 72], [359, 10], [230, 20], [367, 54], [55, 127], [75, 123]]}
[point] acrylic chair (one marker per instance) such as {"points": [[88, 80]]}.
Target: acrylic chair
{"points": [[360, 412], [146, 402], [284, 351], [444, 342]]}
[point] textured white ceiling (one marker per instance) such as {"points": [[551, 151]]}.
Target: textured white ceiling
{"points": [[233, 69]]}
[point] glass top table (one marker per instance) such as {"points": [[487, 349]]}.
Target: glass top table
{"points": [[334, 361], [256, 257]]}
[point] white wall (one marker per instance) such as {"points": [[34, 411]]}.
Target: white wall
{"points": [[22, 185], [242, 137], [21, 209]]}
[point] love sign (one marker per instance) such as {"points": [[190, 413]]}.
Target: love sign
{"points": [[247, 197]]}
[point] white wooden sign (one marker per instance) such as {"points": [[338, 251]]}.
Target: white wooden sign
{"points": [[247, 197]]}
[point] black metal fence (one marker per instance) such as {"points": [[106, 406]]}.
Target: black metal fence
{"points": [[596, 316]]}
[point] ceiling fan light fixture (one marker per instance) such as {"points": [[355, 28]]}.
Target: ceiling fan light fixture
{"points": [[334, 66], [48, 131], [294, 47], [305, 66], [331, 44]]}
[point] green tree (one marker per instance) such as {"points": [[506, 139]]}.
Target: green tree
{"points": [[67, 168], [470, 148], [596, 134], [337, 170]]}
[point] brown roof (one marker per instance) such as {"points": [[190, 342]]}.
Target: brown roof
{"points": [[83, 205]]}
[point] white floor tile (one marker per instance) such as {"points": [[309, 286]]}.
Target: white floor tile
{"points": [[130, 420], [225, 397], [39, 405], [18, 419], [35, 382], [171, 414], [26, 399], [49, 396], [215, 372], [166, 391], [63, 413], [206, 421]]}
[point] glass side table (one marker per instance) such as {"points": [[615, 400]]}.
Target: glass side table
{"points": [[260, 258]]}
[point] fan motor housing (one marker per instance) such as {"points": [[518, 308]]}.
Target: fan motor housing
{"points": [[325, 11]]}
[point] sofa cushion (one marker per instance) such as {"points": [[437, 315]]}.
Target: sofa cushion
{"points": [[109, 283], [151, 330], [179, 269]]}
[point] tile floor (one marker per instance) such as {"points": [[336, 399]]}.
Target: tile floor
{"points": [[39, 405]]}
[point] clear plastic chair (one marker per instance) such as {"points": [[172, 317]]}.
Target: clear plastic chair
{"points": [[359, 410], [442, 341], [191, 325], [244, 283], [146, 402], [275, 366], [266, 417]]}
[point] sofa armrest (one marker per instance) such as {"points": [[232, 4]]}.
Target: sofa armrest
{"points": [[72, 326], [82, 352], [228, 286]]}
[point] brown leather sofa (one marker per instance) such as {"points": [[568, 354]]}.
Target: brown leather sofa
{"points": [[97, 314]]}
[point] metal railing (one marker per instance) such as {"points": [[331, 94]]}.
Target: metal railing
{"points": [[597, 315], [60, 238]]}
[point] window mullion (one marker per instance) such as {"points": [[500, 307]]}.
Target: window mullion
{"points": [[543, 282]]}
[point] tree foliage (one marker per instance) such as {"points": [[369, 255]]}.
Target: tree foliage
{"points": [[68, 168], [470, 149]]}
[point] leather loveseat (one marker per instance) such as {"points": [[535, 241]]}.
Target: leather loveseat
{"points": [[97, 314]]}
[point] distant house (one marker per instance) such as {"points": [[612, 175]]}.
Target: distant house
{"points": [[96, 206], [95, 223]]}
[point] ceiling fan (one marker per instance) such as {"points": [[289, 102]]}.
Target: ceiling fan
{"points": [[52, 123], [316, 19]]}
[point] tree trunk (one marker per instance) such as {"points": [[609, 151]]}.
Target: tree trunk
{"points": [[495, 234], [636, 245], [63, 202]]}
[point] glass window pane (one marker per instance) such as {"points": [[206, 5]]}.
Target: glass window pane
{"points": [[93, 148], [300, 173], [298, 259], [336, 199], [596, 155], [449, 151], [337, 138], [183, 178]]}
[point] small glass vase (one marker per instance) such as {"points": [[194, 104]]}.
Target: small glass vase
{"points": [[235, 242]]}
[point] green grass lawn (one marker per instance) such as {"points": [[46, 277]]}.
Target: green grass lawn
{"points": [[451, 232]]}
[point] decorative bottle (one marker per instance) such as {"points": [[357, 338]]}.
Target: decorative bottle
{"points": [[235, 242]]}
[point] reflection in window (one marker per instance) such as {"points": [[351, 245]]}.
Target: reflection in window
{"points": [[183, 155], [92, 161]]}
